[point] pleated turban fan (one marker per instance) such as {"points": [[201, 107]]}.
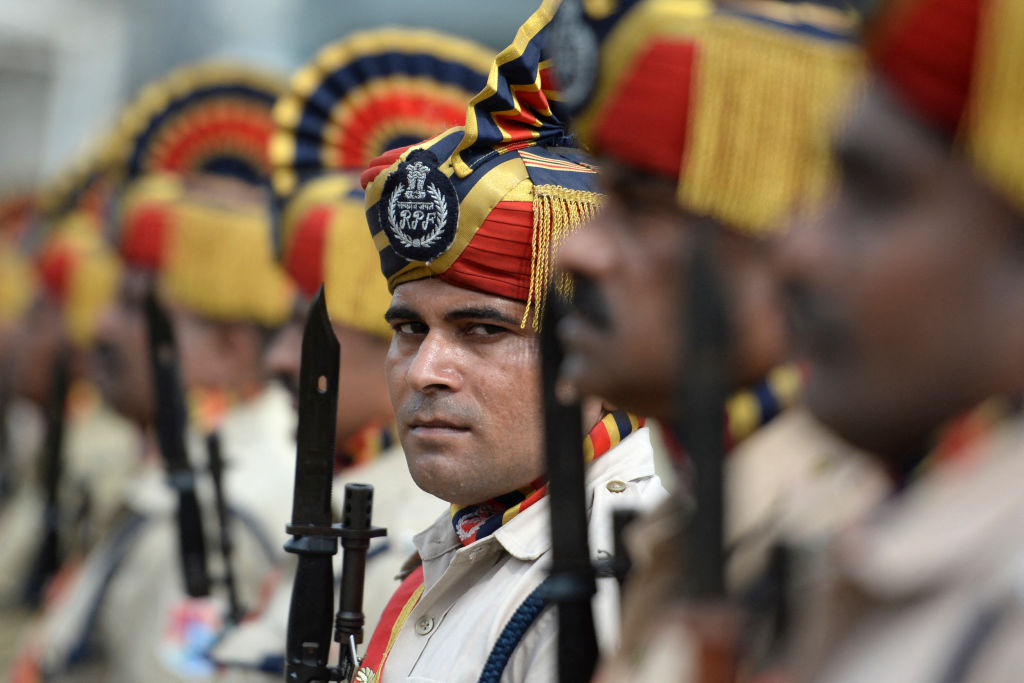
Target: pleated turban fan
{"points": [[736, 101], [959, 65], [359, 97], [88, 185], [484, 205], [196, 204]]}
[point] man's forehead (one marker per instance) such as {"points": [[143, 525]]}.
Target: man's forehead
{"points": [[881, 130], [437, 297], [618, 177]]}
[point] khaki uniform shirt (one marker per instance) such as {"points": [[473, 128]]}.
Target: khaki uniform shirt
{"points": [[471, 592], [930, 586], [790, 482], [128, 602], [21, 516], [400, 507]]}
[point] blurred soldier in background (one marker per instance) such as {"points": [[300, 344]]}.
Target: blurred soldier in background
{"points": [[466, 224], [206, 233], [77, 471], [359, 97], [20, 428], [711, 125], [908, 298]]}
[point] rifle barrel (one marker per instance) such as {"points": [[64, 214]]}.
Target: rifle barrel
{"points": [[572, 575]]}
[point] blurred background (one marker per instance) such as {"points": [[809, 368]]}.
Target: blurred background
{"points": [[67, 66]]}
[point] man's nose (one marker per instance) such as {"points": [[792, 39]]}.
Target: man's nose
{"points": [[800, 254], [435, 366]]}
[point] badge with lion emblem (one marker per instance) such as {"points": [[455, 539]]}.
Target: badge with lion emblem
{"points": [[419, 209]]}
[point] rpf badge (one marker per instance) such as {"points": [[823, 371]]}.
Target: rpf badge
{"points": [[419, 209]]}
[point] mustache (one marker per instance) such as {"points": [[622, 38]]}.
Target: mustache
{"points": [[815, 325], [589, 303], [437, 406]]}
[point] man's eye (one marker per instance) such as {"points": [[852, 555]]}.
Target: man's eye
{"points": [[485, 330], [410, 328]]}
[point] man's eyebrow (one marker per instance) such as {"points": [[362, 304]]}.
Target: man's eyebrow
{"points": [[401, 313], [481, 313]]}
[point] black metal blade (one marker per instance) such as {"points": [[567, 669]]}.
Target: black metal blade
{"points": [[170, 422], [170, 416], [318, 406], [571, 584]]}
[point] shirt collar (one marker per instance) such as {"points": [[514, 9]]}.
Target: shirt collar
{"points": [[528, 536]]}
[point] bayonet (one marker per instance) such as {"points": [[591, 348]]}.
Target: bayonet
{"points": [[170, 423], [216, 463], [47, 559], [314, 537]]}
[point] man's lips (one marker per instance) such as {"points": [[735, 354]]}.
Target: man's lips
{"points": [[435, 427]]}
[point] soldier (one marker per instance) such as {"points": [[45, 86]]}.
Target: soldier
{"points": [[465, 224], [203, 239], [72, 501], [710, 126], [907, 292], [322, 235]]}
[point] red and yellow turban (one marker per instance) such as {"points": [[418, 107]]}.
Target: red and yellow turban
{"points": [[196, 206], [145, 219], [736, 103], [17, 279], [80, 272], [358, 98], [958, 64], [219, 260], [484, 205], [323, 230]]}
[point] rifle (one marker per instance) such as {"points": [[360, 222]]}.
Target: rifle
{"points": [[314, 537], [170, 422], [571, 584], [226, 545], [47, 559], [699, 426]]}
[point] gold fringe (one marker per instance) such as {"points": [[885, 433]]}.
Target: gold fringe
{"points": [[557, 213], [220, 264], [995, 121], [764, 106]]}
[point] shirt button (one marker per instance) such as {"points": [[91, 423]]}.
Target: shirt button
{"points": [[424, 626], [616, 486]]}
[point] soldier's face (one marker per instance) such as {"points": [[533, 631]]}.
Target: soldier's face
{"points": [[906, 290], [119, 359], [465, 385], [41, 337], [284, 352], [623, 335]]}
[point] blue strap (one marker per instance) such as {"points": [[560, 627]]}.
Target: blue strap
{"points": [[513, 632]]}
